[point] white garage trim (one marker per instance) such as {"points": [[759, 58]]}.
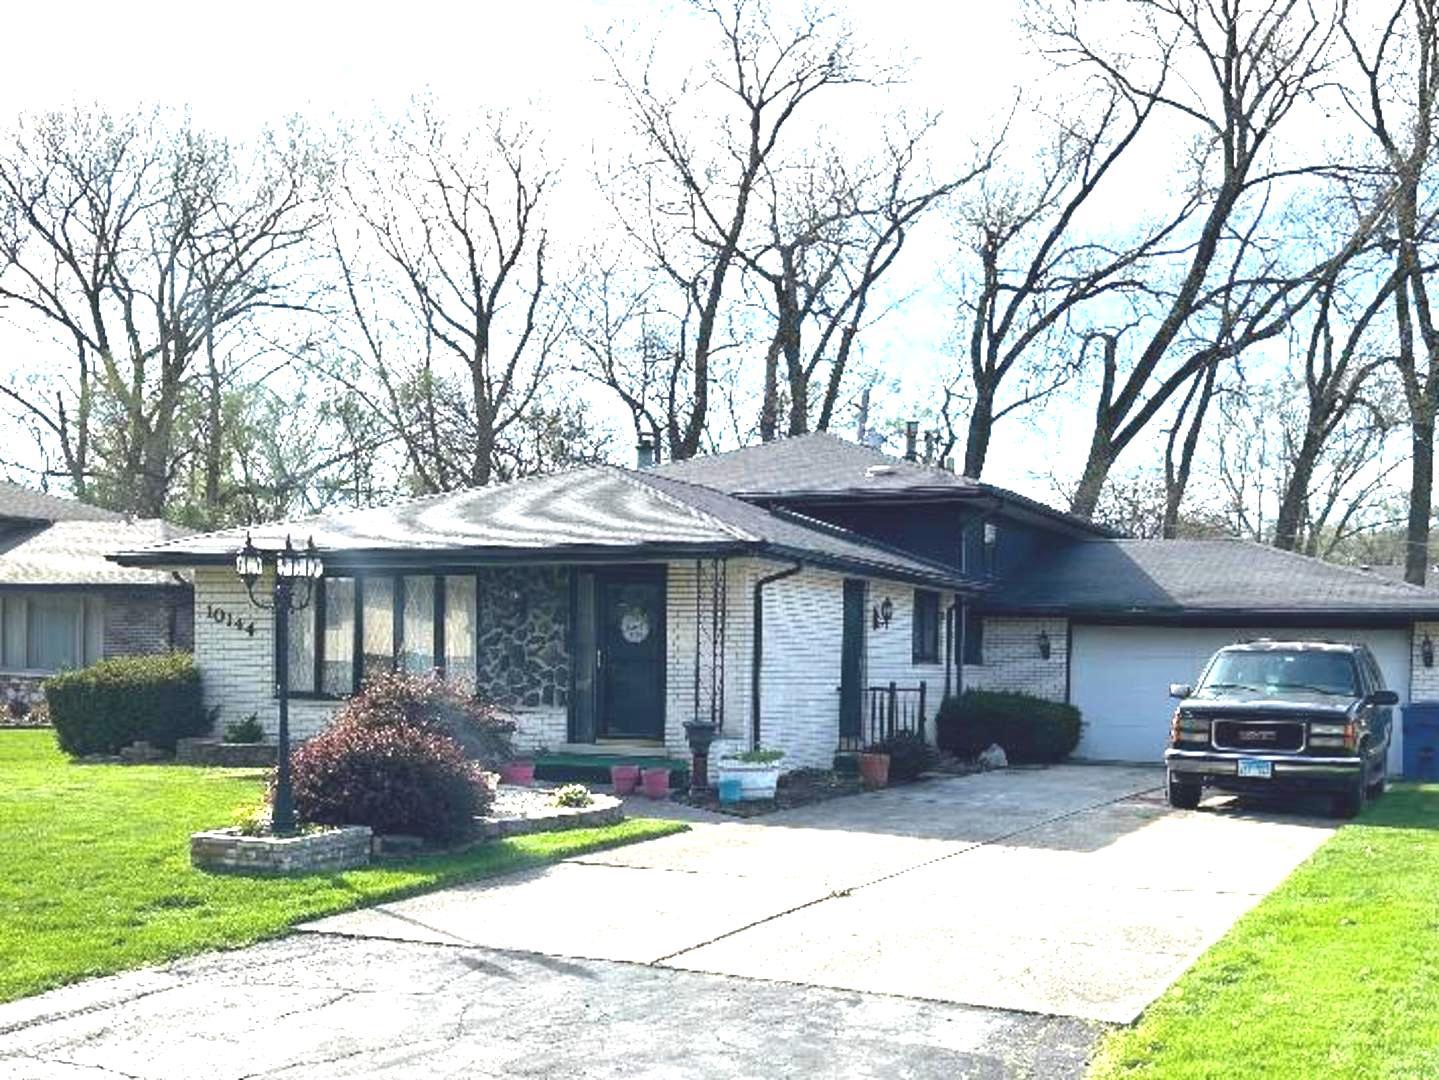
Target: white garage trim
{"points": [[1119, 678]]}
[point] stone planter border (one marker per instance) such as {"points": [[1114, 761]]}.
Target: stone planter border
{"points": [[214, 752], [341, 848], [603, 810]]}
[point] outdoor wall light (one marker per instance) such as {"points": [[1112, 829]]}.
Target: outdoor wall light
{"points": [[1043, 641], [1426, 650], [883, 612]]}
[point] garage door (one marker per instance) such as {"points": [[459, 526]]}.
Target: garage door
{"points": [[1119, 677]]}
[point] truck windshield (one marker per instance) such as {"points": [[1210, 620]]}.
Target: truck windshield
{"points": [[1274, 671]]}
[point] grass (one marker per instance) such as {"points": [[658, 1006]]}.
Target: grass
{"points": [[95, 874], [1335, 973]]}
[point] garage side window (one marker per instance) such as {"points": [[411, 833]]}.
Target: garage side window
{"points": [[973, 637], [926, 627]]}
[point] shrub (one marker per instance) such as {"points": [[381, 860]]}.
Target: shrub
{"points": [[909, 755], [395, 778], [574, 795], [432, 704], [99, 709], [405, 755], [247, 730], [1031, 730]]}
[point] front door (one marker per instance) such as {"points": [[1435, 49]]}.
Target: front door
{"points": [[632, 653], [851, 663]]}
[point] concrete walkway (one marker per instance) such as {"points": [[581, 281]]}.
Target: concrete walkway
{"points": [[1070, 891], [977, 926]]}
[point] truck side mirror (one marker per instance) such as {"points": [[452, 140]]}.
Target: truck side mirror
{"points": [[1180, 689], [1383, 697]]}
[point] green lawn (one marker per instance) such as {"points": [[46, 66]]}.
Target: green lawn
{"points": [[95, 873], [1336, 973]]}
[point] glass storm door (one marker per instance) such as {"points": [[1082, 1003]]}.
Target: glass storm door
{"points": [[632, 653]]}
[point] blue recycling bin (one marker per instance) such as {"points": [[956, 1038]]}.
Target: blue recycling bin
{"points": [[1421, 740]]}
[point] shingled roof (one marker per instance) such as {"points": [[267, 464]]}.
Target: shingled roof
{"points": [[602, 513], [28, 505], [73, 553], [821, 467], [1159, 578]]}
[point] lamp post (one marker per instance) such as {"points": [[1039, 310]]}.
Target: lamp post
{"points": [[292, 568]]}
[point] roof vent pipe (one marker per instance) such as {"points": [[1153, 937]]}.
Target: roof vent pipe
{"points": [[911, 436], [648, 451]]}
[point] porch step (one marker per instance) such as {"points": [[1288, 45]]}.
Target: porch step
{"points": [[613, 748], [591, 768]]}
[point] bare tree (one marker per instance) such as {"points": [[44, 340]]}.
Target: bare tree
{"points": [[138, 245], [832, 233], [443, 260], [688, 200], [1396, 102], [1234, 72], [1037, 265]]}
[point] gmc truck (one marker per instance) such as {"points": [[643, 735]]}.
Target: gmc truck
{"points": [[1283, 716]]}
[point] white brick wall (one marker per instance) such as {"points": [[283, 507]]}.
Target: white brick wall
{"points": [[236, 668], [1012, 661], [1423, 681], [803, 628], [889, 651]]}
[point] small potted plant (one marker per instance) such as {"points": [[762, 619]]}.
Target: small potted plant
{"points": [[625, 778], [874, 767], [655, 783], [518, 771], [756, 770]]}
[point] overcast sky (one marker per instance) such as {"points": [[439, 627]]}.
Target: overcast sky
{"points": [[241, 67]]}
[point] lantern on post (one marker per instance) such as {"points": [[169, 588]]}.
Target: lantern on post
{"points": [[295, 574]]}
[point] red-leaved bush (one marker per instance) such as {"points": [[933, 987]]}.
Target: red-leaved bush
{"points": [[395, 758], [431, 703]]}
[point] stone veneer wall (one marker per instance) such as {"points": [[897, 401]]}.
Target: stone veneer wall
{"points": [[524, 658]]}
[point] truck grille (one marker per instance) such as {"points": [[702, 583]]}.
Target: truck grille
{"points": [[1260, 736]]}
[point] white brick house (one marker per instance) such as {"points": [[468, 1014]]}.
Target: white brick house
{"points": [[600, 608], [805, 594]]}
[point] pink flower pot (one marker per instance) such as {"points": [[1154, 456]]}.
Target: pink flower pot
{"points": [[625, 778], [519, 773], [657, 783]]}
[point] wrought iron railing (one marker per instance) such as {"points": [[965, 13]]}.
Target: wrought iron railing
{"points": [[886, 711]]}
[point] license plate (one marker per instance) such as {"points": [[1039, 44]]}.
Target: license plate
{"points": [[1259, 770]]}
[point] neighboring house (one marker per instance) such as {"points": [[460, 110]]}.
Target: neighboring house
{"points": [[63, 604], [780, 590]]}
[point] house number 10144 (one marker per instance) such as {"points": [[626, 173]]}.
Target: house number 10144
{"points": [[225, 618]]}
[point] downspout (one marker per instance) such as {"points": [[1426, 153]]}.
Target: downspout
{"points": [[757, 646]]}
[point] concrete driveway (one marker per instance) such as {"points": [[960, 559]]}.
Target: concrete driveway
{"points": [[972, 927], [1070, 891]]}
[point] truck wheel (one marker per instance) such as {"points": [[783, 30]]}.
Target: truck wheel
{"points": [[1350, 801], [1183, 794], [1381, 782]]}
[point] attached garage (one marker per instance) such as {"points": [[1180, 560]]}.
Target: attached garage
{"points": [[1141, 614], [1119, 677]]}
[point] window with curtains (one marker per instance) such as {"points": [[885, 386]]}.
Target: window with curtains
{"points": [[416, 623], [925, 627], [49, 631]]}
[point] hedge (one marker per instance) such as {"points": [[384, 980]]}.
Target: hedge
{"points": [[1031, 730], [99, 709]]}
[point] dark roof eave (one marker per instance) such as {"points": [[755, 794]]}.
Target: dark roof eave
{"points": [[1236, 615], [392, 558], [938, 577]]}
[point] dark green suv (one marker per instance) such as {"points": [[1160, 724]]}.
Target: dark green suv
{"points": [[1279, 716]]}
